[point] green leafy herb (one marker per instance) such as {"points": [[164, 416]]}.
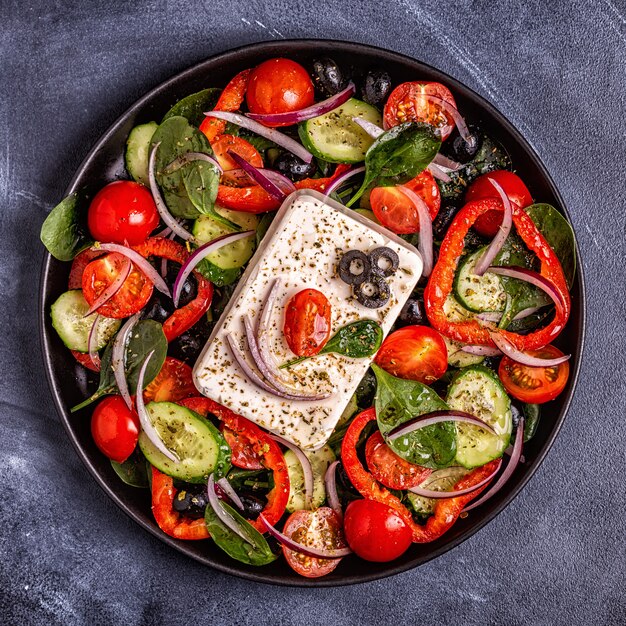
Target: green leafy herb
{"points": [[398, 155], [532, 414], [263, 227], [63, 231], [398, 401], [133, 470], [146, 336], [194, 106]]}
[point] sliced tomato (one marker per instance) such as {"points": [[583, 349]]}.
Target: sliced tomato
{"points": [[246, 199], [534, 385], [225, 143], [80, 262], [243, 453], [407, 103], [85, 360], [395, 211], [132, 296], [320, 529], [307, 322], [173, 383]]}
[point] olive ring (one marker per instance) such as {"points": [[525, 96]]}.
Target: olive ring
{"points": [[380, 292], [351, 258], [386, 254]]}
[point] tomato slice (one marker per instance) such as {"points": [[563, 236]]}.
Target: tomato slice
{"points": [[320, 529], [80, 262], [396, 212], [534, 385], [132, 296], [307, 322], [173, 383], [243, 453], [240, 146], [407, 104]]}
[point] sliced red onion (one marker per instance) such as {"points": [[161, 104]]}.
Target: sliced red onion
{"points": [[516, 455], [224, 516], [481, 350], [453, 112], [113, 288], [340, 180], [436, 417], [170, 235], [190, 157], [200, 253], [330, 482], [503, 232], [241, 177], [144, 419], [230, 492], [163, 233], [272, 134], [426, 229], [290, 544], [307, 470], [438, 172], [496, 317], [448, 164], [431, 493], [92, 341], [315, 110], [118, 359], [371, 129], [143, 264], [258, 176], [522, 357]]}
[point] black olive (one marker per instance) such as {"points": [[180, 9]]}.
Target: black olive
{"points": [[327, 77], [252, 505], [159, 307], [373, 293], [457, 149], [390, 261], [188, 345], [294, 168], [191, 503], [443, 220], [412, 313], [366, 390], [473, 240], [354, 267], [376, 87]]}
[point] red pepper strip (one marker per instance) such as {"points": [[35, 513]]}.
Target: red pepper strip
{"points": [[171, 522], [320, 184], [184, 318], [446, 511], [442, 279], [230, 99], [266, 448]]}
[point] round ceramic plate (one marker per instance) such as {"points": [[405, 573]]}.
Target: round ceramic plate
{"points": [[105, 163]]}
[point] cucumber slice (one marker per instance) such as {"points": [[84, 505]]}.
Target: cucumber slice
{"points": [[200, 446], [478, 293], [67, 319], [367, 213], [138, 152], [458, 358], [454, 312], [439, 480], [320, 460], [335, 137], [478, 390]]}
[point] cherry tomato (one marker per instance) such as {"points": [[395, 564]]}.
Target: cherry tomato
{"points": [[279, 86], [414, 352], [317, 529], [396, 212], [240, 146], [407, 104], [115, 428], [375, 532], [243, 454], [122, 212], [131, 297], [307, 322], [173, 383], [390, 469], [512, 185], [534, 385]]}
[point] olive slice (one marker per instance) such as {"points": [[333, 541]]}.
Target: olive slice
{"points": [[354, 267], [372, 293], [388, 257]]}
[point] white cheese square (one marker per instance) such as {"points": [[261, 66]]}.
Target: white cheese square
{"points": [[303, 246]]}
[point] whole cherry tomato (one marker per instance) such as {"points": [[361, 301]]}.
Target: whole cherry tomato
{"points": [[115, 428], [307, 322]]}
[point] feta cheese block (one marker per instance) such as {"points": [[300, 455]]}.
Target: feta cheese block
{"points": [[302, 249]]}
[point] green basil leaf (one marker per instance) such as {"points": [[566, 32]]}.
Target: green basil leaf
{"points": [[193, 107], [63, 232]]}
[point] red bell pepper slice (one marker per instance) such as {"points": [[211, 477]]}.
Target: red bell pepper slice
{"points": [[446, 511], [441, 280], [266, 448]]}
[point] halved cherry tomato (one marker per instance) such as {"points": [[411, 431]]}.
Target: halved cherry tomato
{"points": [[396, 212], [115, 428], [389, 469], [132, 296], [173, 383], [307, 322], [534, 385], [414, 352], [375, 531], [316, 529], [512, 185], [240, 146], [407, 104], [279, 86], [243, 454], [80, 262]]}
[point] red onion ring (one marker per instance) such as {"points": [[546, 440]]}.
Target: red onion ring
{"points": [[438, 172], [446, 163], [315, 110], [227, 488], [113, 288], [426, 229], [224, 516], [521, 357], [91, 341], [258, 176], [272, 134], [190, 157], [164, 212], [330, 482], [340, 180], [118, 359], [290, 544], [481, 350], [503, 232], [307, 470], [453, 112], [200, 253], [163, 233], [170, 235], [371, 129], [436, 417], [496, 317]]}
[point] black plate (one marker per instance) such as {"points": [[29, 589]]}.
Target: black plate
{"points": [[104, 163]]}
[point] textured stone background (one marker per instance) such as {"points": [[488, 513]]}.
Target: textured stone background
{"points": [[556, 555]]}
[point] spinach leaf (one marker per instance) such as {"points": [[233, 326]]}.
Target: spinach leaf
{"points": [[399, 400], [63, 232], [559, 234], [255, 552], [398, 155], [133, 471], [193, 107], [146, 336], [218, 276], [532, 414]]}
